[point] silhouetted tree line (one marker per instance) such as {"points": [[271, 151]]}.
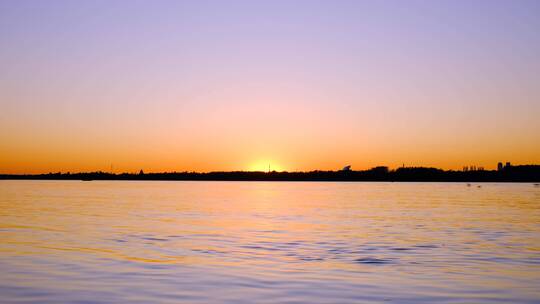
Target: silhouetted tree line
{"points": [[526, 173]]}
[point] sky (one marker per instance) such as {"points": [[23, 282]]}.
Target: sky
{"points": [[241, 85]]}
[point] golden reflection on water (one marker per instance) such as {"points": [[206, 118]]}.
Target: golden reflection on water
{"points": [[401, 241]]}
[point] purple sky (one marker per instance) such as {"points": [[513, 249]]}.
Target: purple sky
{"points": [[224, 85]]}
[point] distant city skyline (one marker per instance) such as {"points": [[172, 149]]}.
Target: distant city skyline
{"points": [[241, 85]]}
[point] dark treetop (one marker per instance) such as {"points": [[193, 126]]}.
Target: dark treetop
{"points": [[526, 173]]}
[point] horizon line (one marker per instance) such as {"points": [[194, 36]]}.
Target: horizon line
{"points": [[464, 169]]}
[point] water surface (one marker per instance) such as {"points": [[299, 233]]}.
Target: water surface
{"points": [[268, 242]]}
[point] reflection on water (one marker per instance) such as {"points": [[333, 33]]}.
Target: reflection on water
{"points": [[264, 242]]}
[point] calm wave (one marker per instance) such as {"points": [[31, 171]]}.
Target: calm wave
{"points": [[257, 242]]}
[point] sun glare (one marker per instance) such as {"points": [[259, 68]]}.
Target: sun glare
{"points": [[265, 166]]}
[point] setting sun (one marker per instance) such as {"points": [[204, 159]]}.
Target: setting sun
{"points": [[265, 166]]}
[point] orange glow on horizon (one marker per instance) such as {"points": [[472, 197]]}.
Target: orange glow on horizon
{"points": [[265, 166]]}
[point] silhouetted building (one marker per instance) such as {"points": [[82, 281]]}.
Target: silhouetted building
{"points": [[347, 168], [499, 166], [508, 165]]}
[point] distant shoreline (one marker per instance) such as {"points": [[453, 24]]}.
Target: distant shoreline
{"points": [[524, 173]]}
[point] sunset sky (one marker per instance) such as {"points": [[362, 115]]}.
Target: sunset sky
{"points": [[238, 85]]}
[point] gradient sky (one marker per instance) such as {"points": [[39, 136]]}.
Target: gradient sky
{"points": [[302, 85]]}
